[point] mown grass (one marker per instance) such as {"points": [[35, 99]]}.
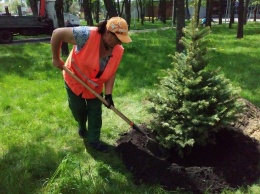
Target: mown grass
{"points": [[238, 58], [39, 145]]}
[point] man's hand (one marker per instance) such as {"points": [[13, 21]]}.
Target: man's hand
{"points": [[108, 98]]}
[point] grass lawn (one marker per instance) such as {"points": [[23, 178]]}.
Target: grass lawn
{"points": [[39, 145]]}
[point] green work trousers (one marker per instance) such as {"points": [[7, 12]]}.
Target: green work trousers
{"points": [[86, 110]]}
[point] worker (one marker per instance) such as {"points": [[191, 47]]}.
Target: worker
{"points": [[94, 58]]}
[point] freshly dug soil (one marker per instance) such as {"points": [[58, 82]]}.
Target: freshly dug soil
{"points": [[232, 162]]}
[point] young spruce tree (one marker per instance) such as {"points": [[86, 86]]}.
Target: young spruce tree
{"points": [[192, 103]]}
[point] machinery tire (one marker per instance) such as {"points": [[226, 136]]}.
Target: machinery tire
{"points": [[6, 36]]}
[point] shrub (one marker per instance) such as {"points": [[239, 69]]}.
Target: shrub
{"points": [[192, 103]]}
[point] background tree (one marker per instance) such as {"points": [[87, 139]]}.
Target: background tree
{"points": [[111, 8], [67, 4], [137, 11], [12, 8], [118, 7], [162, 11], [232, 13], [220, 11], [180, 16], [198, 12], [191, 103], [255, 9], [96, 10], [88, 12], [150, 6], [74, 7], [187, 9], [152, 2], [59, 12], [174, 12], [208, 13], [128, 11], [246, 6], [34, 8], [141, 3], [122, 9], [240, 30]]}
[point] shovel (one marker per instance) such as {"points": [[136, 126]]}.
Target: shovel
{"points": [[151, 144]]}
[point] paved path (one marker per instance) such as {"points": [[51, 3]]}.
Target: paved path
{"points": [[149, 30]]}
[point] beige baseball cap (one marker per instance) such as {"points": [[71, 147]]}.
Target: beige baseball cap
{"points": [[119, 27]]}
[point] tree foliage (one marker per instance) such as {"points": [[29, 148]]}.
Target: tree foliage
{"points": [[192, 103]]}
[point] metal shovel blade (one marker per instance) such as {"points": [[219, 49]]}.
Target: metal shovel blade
{"points": [[153, 146]]}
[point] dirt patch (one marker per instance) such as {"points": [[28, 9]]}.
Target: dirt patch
{"points": [[249, 122], [232, 162]]}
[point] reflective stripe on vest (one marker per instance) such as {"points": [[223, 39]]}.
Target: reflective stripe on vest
{"points": [[85, 78]]}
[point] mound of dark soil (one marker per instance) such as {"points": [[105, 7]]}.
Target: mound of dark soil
{"points": [[233, 161]]}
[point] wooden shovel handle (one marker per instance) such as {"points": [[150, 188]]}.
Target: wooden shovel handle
{"points": [[102, 99]]}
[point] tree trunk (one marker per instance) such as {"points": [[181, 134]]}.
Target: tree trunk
{"points": [[232, 13], [87, 12], [67, 6], [198, 13], [240, 32], [246, 11], [141, 11], [209, 13], [111, 8], [255, 11], [137, 10], [118, 7], [180, 16], [152, 11], [122, 8], [97, 11], [220, 12], [128, 12], [174, 12], [187, 10], [59, 12], [162, 11], [34, 7]]}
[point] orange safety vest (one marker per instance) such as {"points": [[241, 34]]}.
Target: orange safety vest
{"points": [[85, 65]]}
